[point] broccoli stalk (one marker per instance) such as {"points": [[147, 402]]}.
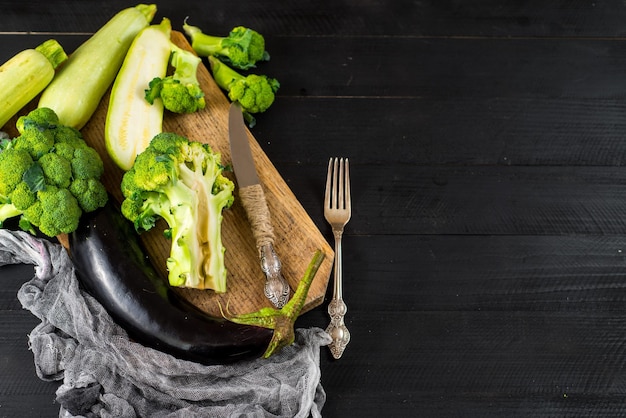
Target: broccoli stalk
{"points": [[242, 48], [180, 92], [255, 93], [181, 181], [39, 171], [7, 210]]}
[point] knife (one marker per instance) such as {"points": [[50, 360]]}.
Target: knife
{"points": [[253, 200]]}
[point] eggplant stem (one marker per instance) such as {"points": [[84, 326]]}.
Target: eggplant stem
{"points": [[282, 320]]}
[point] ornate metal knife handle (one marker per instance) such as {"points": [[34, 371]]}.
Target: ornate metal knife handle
{"points": [[276, 287]]}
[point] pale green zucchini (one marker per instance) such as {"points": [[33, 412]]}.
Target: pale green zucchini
{"points": [[131, 121], [25, 75], [76, 90]]}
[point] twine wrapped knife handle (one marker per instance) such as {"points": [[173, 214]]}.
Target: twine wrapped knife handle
{"points": [[253, 200]]}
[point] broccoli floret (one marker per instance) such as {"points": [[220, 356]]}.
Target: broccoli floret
{"points": [[67, 135], [242, 48], [255, 93], [57, 170], [87, 163], [90, 193], [181, 91], [182, 182], [23, 197], [13, 163], [32, 216], [43, 119], [67, 140], [49, 183], [59, 211], [35, 141]]}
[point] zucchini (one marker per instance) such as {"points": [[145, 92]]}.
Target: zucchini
{"points": [[131, 120], [111, 265], [76, 90], [25, 75]]}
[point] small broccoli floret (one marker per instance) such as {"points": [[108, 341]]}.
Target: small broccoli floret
{"points": [[60, 211], [57, 170], [36, 142], [242, 48], [23, 197], [87, 163], [181, 181], [13, 163], [255, 93], [180, 92], [49, 175], [32, 215], [67, 135], [90, 193], [42, 119]]}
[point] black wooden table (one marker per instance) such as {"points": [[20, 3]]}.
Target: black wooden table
{"points": [[485, 263]]}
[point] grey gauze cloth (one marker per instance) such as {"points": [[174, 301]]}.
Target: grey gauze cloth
{"points": [[105, 374]]}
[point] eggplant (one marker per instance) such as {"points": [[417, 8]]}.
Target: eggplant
{"points": [[111, 265]]}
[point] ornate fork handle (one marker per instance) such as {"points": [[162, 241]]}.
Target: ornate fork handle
{"points": [[337, 328], [337, 308]]}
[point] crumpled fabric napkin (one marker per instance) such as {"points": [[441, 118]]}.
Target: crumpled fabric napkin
{"points": [[104, 374]]}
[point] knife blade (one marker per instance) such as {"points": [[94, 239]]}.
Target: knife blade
{"points": [[252, 198]]}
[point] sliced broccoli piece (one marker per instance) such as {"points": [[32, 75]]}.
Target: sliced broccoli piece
{"points": [[181, 181]]}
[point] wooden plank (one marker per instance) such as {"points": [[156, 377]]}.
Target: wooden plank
{"points": [[447, 360], [450, 131], [509, 273], [445, 67], [493, 200], [297, 237], [480, 326], [529, 18], [30, 405]]}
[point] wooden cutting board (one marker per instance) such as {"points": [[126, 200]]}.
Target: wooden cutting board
{"points": [[297, 237]]}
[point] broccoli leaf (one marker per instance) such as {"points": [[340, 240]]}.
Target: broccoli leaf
{"points": [[34, 178]]}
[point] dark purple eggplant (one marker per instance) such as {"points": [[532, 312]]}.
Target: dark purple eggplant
{"points": [[111, 265]]}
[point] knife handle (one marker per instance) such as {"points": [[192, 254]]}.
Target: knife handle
{"points": [[253, 200]]}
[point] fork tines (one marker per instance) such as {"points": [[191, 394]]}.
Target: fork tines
{"points": [[338, 184]]}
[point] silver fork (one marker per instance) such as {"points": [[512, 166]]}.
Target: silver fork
{"points": [[337, 211]]}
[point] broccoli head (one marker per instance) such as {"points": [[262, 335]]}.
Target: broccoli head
{"points": [[49, 175], [255, 93], [182, 182], [242, 48], [181, 91]]}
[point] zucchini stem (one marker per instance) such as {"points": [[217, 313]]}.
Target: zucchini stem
{"points": [[282, 320]]}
